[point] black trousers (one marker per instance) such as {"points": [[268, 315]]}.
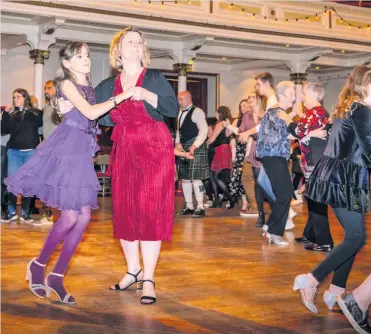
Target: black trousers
{"points": [[340, 260], [296, 181], [278, 173], [317, 227]]}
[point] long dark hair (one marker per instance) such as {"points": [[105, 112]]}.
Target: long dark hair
{"points": [[224, 114], [239, 108], [27, 99], [70, 50]]}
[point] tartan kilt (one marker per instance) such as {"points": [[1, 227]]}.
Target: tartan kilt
{"points": [[196, 169]]}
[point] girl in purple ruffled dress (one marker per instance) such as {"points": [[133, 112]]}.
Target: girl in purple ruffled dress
{"points": [[62, 174]]}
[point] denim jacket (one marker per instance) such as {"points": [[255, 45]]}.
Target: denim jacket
{"points": [[272, 138]]}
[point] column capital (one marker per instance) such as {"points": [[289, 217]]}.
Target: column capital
{"points": [[182, 56], [39, 55], [298, 78], [298, 65], [195, 43], [182, 68]]}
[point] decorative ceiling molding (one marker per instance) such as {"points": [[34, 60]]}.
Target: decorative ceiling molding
{"points": [[189, 23]]}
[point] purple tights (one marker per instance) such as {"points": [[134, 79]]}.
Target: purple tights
{"points": [[69, 228]]}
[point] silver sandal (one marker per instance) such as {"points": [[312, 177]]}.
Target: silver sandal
{"points": [[31, 286], [49, 291]]}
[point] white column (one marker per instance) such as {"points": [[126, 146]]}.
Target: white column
{"points": [[39, 56], [298, 107], [298, 68], [182, 83], [39, 84], [181, 68], [298, 79]]}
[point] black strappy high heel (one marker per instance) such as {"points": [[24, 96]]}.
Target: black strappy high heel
{"points": [[139, 283], [152, 299]]}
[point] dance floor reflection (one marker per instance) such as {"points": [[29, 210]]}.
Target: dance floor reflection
{"points": [[218, 275]]}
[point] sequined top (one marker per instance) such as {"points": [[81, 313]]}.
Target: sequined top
{"points": [[272, 138]]}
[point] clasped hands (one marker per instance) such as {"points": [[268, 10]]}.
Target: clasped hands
{"points": [[136, 93], [191, 150]]}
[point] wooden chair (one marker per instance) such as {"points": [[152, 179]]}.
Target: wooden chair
{"points": [[102, 161]]}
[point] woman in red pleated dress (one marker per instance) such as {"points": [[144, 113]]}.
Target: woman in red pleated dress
{"points": [[142, 160]]}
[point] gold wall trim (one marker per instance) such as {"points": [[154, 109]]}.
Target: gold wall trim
{"points": [[190, 23]]}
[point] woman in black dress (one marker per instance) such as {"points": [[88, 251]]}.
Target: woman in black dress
{"points": [[341, 180]]}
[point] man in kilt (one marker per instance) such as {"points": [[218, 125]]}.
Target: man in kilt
{"points": [[191, 136]]}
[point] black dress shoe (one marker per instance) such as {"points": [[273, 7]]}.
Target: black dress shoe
{"points": [[317, 248], [216, 204], [304, 240], [185, 212], [261, 220], [356, 317], [199, 213]]}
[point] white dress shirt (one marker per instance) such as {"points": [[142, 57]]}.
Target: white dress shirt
{"points": [[199, 118]]}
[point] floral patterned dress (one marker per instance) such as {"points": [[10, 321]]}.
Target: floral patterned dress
{"points": [[311, 148]]}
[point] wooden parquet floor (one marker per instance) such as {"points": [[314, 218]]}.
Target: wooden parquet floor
{"points": [[218, 275]]}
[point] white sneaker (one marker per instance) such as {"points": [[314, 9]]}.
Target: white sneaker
{"points": [[9, 218], [36, 223], [46, 220], [289, 224]]}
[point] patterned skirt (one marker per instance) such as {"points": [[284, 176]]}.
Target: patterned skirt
{"points": [[196, 169], [236, 186]]}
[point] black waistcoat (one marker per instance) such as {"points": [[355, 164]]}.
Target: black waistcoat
{"points": [[188, 130]]}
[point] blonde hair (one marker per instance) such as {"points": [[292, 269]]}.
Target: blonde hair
{"points": [[282, 87], [259, 99], [316, 88], [114, 51], [355, 89]]}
